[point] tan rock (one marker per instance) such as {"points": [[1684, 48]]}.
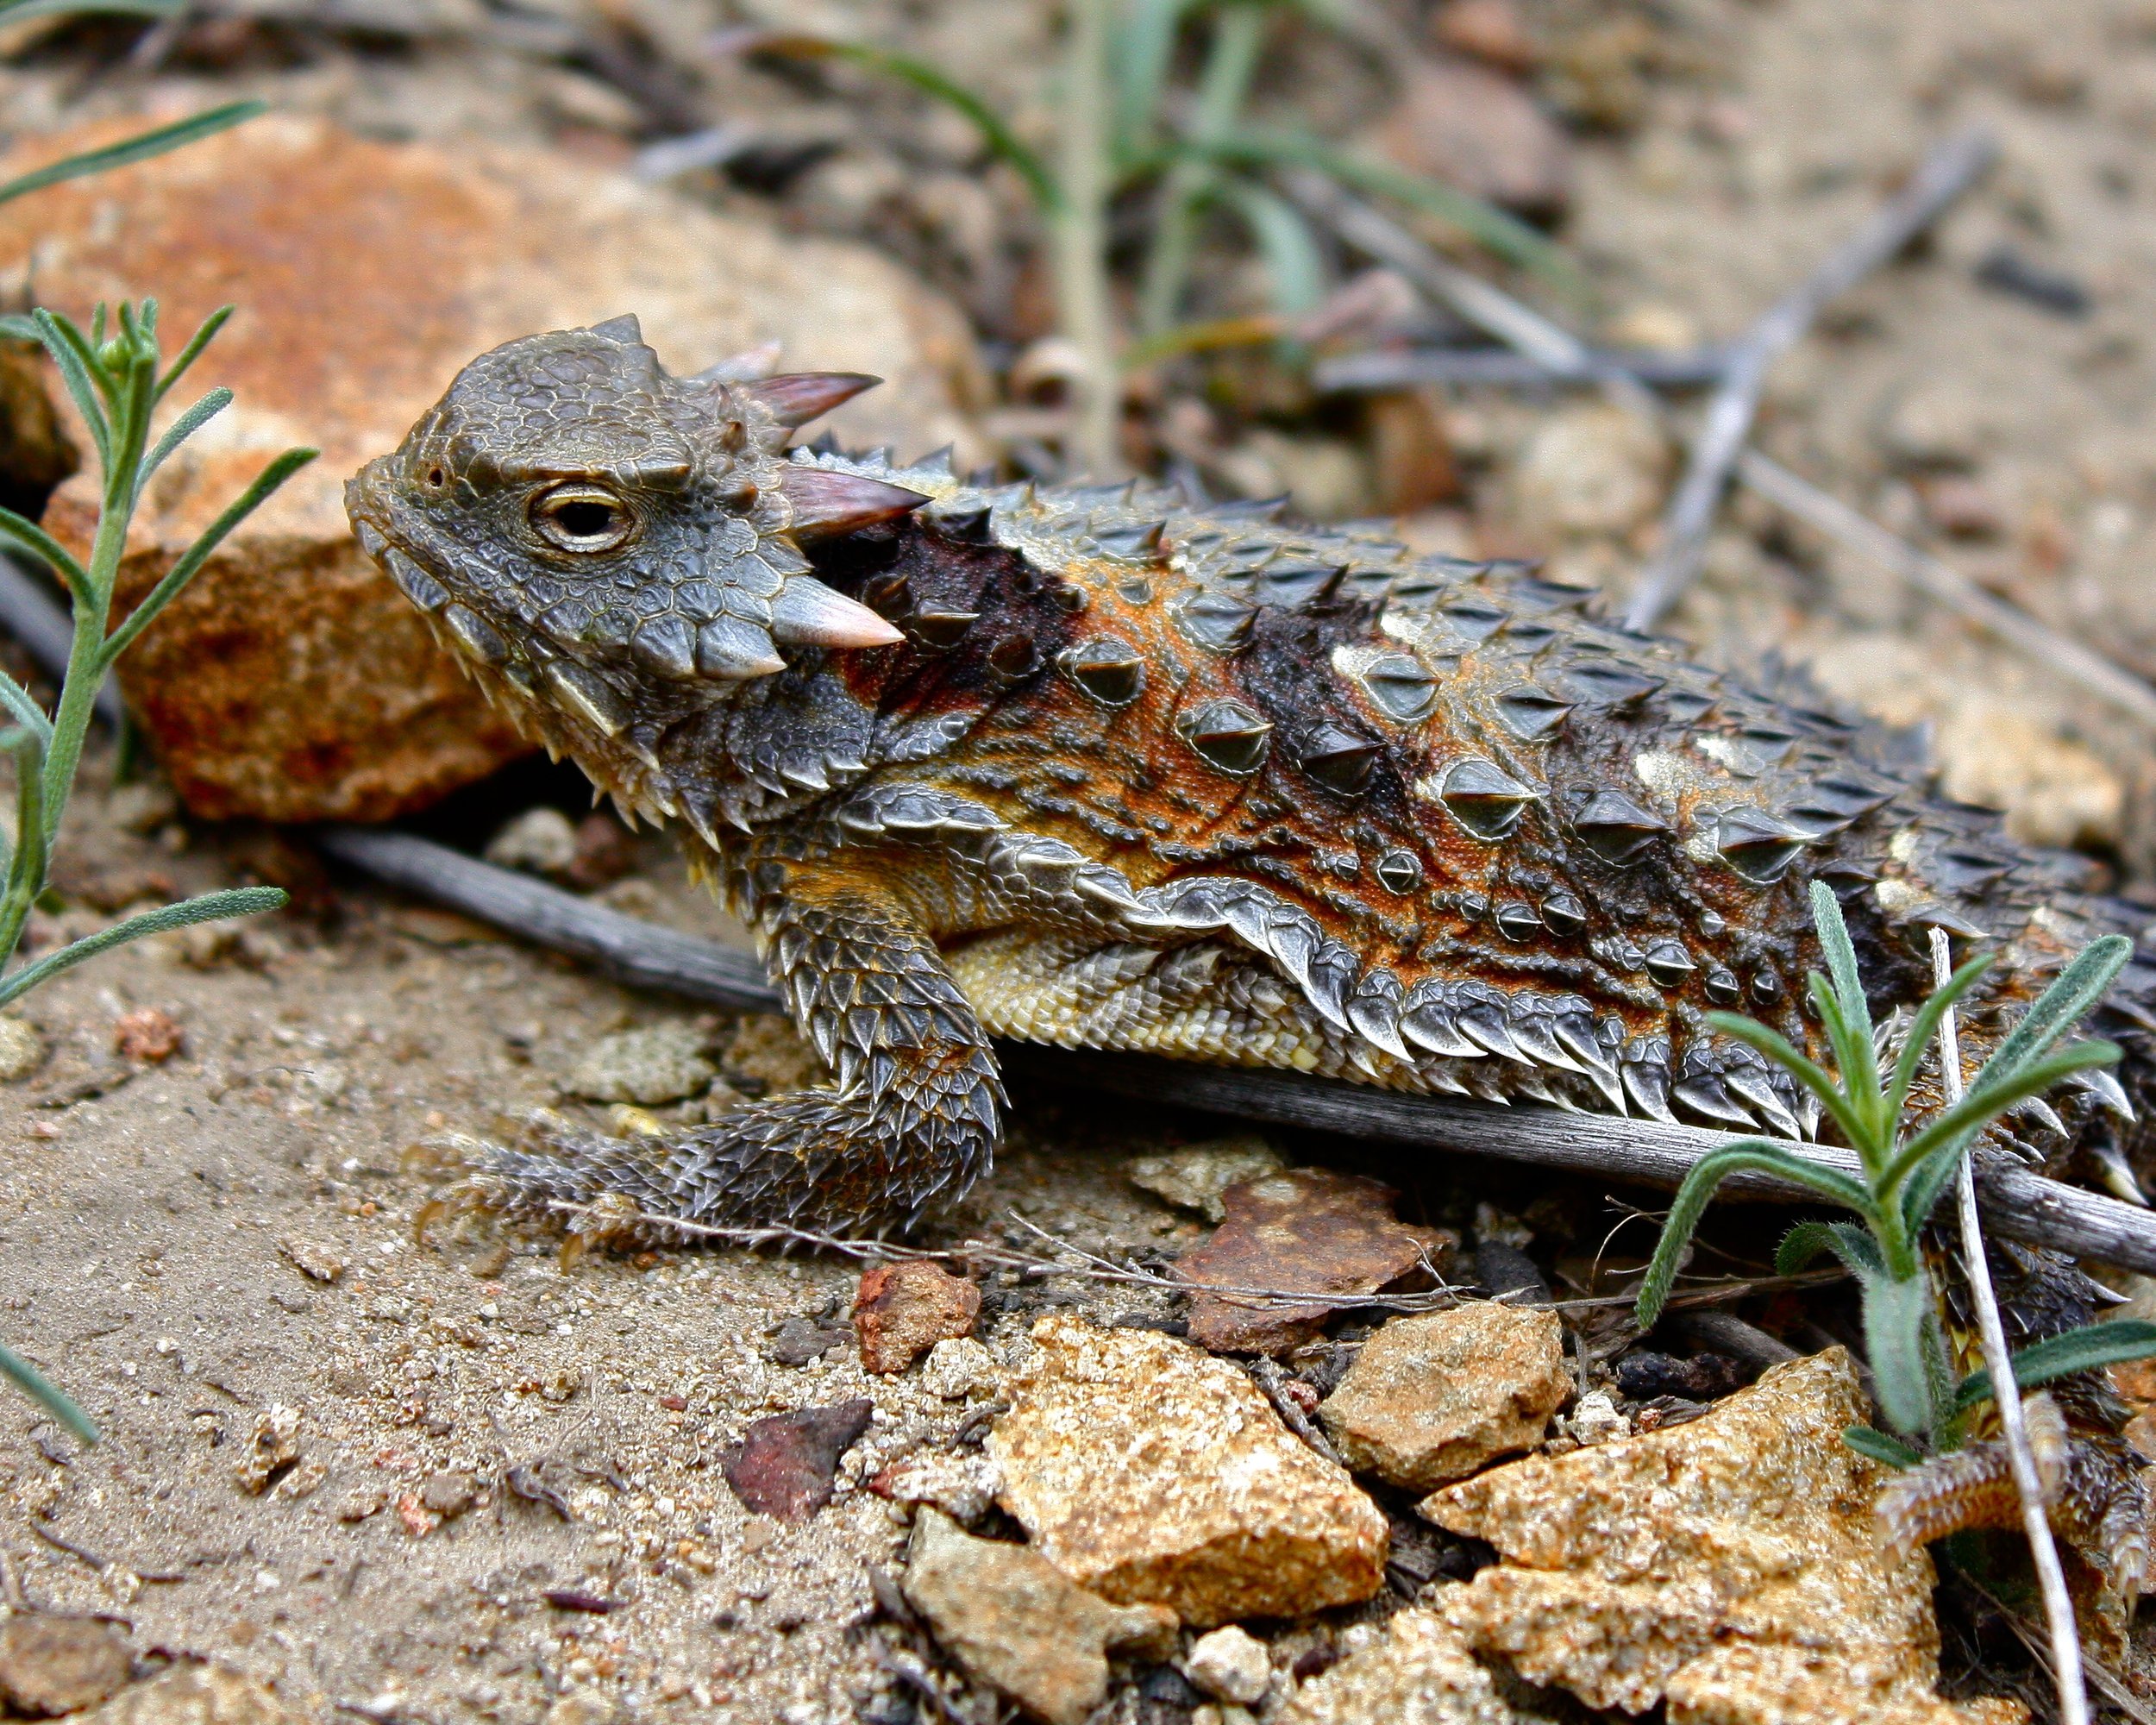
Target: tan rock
{"points": [[1146, 1470], [1231, 1665], [190, 1694], [52, 1662], [1194, 1176], [1418, 1673], [1014, 1620], [292, 681], [1431, 1399], [902, 1310], [1588, 468], [1727, 1567]]}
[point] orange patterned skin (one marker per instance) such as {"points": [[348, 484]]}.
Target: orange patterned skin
{"points": [[1084, 765]]}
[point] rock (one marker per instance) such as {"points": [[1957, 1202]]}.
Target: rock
{"points": [[1015, 1622], [1419, 1671], [1431, 1399], [51, 1664], [902, 1310], [1488, 30], [798, 1340], [1305, 1230], [316, 1257], [1594, 1419], [958, 1367], [962, 1483], [189, 1694], [149, 1034], [1703, 1377], [1728, 1567], [1148, 1472], [663, 1062], [1194, 1177], [786, 1463], [1477, 130], [1961, 508], [35, 451], [769, 1049], [1231, 1665], [584, 1707], [272, 1446], [540, 841], [448, 1493], [293, 683], [142, 805], [21, 1050], [1588, 468]]}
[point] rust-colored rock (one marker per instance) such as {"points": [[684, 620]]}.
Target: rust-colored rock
{"points": [[903, 1310], [786, 1463], [191, 1694], [1727, 1567], [1304, 1231], [292, 681]]}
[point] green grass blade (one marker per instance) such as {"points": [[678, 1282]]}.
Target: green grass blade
{"points": [[1858, 1056], [2076, 990], [22, 11], [2090, 1348], [1746, 1156], [1294, 262], [210, 907], [1140, 56], [1858, 1251], [1495, 232], [140, 148], [26, 712], [1924, 1026], [78, 366], [1877, 1446], [180, 430], [21, 531], [1807, 1072], [196, 342], [1955, 1127], [32, 1382], [198, 553], [1897, 1315]]}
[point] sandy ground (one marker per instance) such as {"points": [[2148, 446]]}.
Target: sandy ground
{"points": [[149, 1230]]}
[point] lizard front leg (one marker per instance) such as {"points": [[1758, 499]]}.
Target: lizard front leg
{"points": [[915, 1112]]}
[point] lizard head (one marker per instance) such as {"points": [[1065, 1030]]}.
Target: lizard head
{"points": [[618, 545]]}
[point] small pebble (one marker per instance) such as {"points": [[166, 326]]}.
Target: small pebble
{"points": [[1231, 1665], [21, 1050], [149, 1034], [658, 1063], [540, 841]]}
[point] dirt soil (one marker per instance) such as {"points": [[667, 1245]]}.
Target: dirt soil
{"points": [[489, 1444]]}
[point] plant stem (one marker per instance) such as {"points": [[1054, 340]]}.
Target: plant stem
{"points": [[1080, 238], [2059, 1611], [1239, 35]]}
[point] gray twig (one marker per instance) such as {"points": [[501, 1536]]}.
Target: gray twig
{"points": [[2058, 1608], [1948, 172], [1528, 331], [1383, 369], [2024, 1206]]}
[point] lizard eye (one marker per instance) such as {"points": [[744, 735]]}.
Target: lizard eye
{"points": [[582, 517]]}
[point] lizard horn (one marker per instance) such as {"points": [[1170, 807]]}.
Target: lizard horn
{"points": [[826, 502], [806, 613], [796, 398]]}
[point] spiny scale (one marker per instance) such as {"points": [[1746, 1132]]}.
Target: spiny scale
{"points": [[1085, 765]]}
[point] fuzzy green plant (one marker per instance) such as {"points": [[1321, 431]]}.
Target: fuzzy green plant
{"points": [[1125, 126], [118, 381], [117, 388], [1903, 1175]]}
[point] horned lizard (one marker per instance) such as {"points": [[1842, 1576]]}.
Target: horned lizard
{"points": [[1086, 765]]}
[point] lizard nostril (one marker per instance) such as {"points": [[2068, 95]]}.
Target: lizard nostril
{"points": [[433, 476]]}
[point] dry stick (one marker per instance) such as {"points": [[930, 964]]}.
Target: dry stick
{"points": [[2025, 1206], [1385, 369], [1528, 331], [2058, 1610], [1949, 171]]}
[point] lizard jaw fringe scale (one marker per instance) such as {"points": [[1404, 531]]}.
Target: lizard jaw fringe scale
{"points": [[1127, 773]]}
